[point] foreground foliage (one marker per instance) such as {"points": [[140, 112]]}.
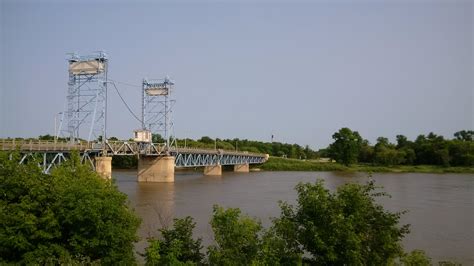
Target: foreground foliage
{"points": [[70, 216], [345, 227], [176, 246]]}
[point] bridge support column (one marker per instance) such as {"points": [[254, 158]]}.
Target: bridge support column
{"points": [[241, 168], [213, 170], [156, 169], [103, 166]]}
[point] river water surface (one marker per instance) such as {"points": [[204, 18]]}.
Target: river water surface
{"points": [[441, 206]]}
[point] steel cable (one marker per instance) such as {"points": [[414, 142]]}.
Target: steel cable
{"points": [[125, 103]]}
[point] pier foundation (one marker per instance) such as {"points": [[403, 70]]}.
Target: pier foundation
{"points": [[241, 168], [103, 166], [213, 170], [156, 169]]}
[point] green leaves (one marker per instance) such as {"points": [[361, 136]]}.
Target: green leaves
{"points": [[72, 213], [176, 246], [344, 227], [346, 146], [237, 238]]}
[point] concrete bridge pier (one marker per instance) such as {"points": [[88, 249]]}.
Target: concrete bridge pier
{"points": [[213, 170], [156, 169], [241, 168], [103, 166]]}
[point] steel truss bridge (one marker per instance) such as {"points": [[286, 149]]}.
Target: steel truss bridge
{"points": [[48, 154]]}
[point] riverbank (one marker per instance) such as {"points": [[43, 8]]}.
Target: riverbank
{"points": [[282, 164]]}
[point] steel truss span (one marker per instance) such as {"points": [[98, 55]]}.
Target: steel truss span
{"points": [[51, 153], [48, 160], [198, 159]]}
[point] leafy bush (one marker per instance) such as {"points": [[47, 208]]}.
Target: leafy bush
{"points": [[70, 215], [176, 246], [237, 238], [344, 227], [416, 258]]}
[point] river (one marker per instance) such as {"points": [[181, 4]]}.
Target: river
{"points": [[440, 206]]}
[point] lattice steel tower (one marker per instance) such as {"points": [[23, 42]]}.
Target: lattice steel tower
{"points": [[87, 98], [157, 106]]}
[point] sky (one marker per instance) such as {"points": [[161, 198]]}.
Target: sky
{"points": [[298, 70]]}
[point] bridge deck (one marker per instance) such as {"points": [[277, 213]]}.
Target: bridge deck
{"points": [[111, 148], [185, 156]]}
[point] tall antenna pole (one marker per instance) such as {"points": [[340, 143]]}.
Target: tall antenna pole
{"points": [[143, 104]]}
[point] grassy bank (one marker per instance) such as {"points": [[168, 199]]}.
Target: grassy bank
{"points": [[281, 164]]}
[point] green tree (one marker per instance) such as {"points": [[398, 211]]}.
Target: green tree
{"points": [[386, 153], [157, 138], [461, 153], [346, 146], [237, 238], [72, 213], [431, 149], [415, 258], [46, 137], [403, 142], [366, 152], [346, 227], [206, 140], [465, 135], [176, 245]]}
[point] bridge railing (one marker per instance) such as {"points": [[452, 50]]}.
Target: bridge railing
{"points": [[43, 145], [111, 147]]}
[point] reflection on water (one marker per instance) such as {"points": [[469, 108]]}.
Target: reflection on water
{"points": [[440, 205]]}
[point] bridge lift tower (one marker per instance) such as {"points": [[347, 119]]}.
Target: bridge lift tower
{"points": [[157, 106], [86, 98]]}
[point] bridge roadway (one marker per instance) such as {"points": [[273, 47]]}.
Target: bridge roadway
{"points": [[154, 158]]}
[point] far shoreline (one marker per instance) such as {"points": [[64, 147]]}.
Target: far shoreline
{"points": [[283, 164]]}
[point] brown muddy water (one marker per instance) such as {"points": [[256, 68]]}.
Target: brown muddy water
{"points": [[440, 206]]}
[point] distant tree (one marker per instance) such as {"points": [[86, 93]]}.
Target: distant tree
{"points": [[389, 156], [465, 135], [157, 138], [324, 153], [176, 246], [382, 142], [309, 153], [366, 152], [346, 146], [280, 154], [46, 137], [386, 153], [431, 149], [461, 153], [347, 227], [402, 142], [72, 214], [206, 140], [409, 155]]}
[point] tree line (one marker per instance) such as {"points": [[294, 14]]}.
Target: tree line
{"points": [[349, 147]]}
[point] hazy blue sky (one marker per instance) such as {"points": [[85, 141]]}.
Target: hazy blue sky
{"points": [[298, 70]]}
